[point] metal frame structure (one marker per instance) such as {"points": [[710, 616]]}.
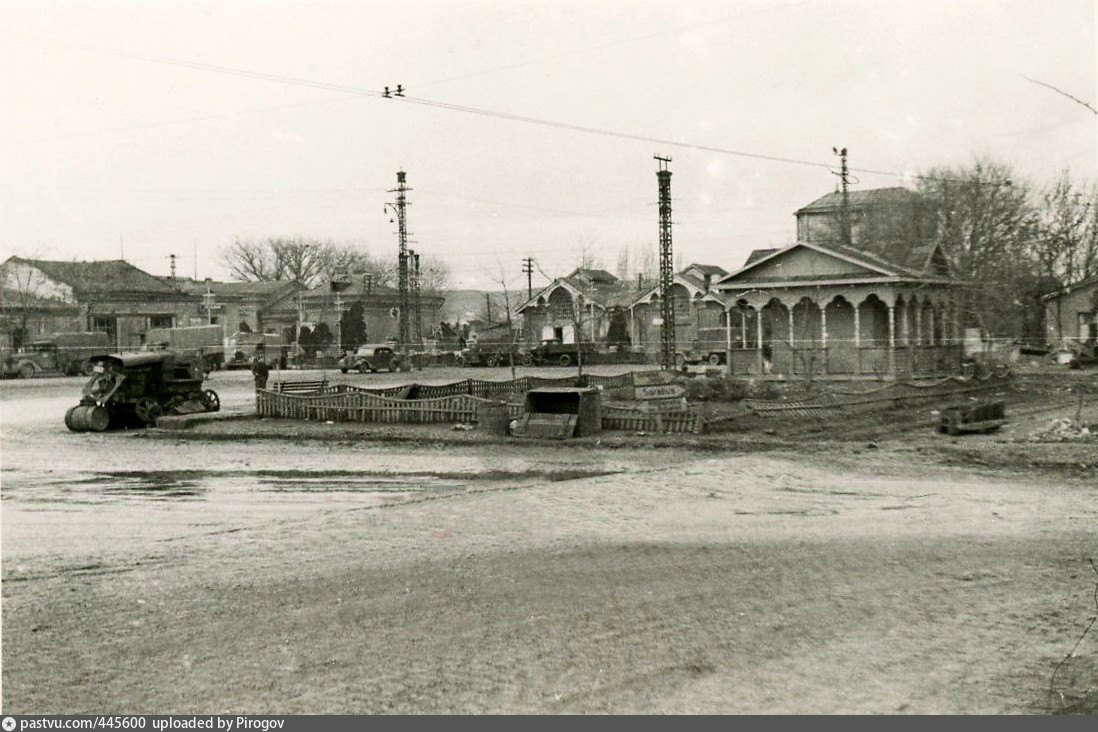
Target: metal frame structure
{"points": [[667, 267]]}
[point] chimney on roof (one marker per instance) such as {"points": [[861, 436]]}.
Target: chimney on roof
{"points": [[708, 280]]}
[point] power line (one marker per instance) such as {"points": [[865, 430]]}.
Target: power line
{"points": [[1073, 98], [587, 129]]}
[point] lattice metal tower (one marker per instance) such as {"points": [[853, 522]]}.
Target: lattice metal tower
{"points": [[417, 304], [667, 267], [401, 192], [845, 223]]}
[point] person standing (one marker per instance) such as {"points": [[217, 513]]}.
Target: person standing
{"points": [[260, 372]]}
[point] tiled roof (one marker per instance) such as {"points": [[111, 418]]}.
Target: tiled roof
{"points": [[597, 276], [230, 289], [707, 269], [109, 276], [871, 197]]}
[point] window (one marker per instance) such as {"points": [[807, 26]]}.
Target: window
{"points": [[105, 324], [160, 321]]}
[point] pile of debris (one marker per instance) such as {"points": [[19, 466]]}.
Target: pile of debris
{"points": [[1064, 430]]}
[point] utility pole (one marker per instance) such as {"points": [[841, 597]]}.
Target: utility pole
{"points": [[667, 267], [488, 305], [417, 305], [401, 192], [844, 209], [339, 323], [528, 270], [209, 303]]}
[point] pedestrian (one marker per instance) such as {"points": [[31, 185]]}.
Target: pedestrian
{"points": [[260, 371]]}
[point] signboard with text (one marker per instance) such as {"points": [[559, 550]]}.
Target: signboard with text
{"points": [[659, 391]]}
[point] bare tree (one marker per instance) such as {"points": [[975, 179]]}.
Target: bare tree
{"points": [[23, 289], [512, 344], [623, 270], [251, 261], [311, 261], [587, 257]]}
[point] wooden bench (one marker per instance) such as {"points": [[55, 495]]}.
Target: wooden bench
{"points": [[300, 387]]}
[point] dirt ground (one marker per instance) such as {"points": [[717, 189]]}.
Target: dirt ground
{"points": [[240, 568]]}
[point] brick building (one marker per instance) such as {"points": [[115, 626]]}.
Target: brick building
{"points": [[40, 296]]}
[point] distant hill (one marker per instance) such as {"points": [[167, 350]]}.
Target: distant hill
{"points": [[459, 303]]}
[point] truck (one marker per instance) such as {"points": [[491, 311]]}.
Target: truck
{"points": [[65, 353], [552, 352], [242, 348], [204, 341], [713, 353], [490, 353]]}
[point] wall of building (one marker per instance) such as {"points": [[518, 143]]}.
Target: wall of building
{"points": [[1072, 317]]}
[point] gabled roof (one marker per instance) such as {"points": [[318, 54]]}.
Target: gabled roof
{"points": [[707, 269], [757, 254], [260, 290], [1071, 288], [693, 284], [892, 196], [595, 276], [107, 276], [877, 265], [602, 288]]}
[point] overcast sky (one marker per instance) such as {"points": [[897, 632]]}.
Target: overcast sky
{"points": [[98, 147]]}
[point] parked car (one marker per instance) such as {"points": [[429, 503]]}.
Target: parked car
{"points": [[61, 352], [133, 389], [242, 348], [701, 352], [371, 357]]}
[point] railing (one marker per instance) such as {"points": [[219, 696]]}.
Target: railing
{"points": [[780, 358], [345, 403]]}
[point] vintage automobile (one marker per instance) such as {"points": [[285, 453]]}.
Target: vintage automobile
{"points": [[133, 389], [371, 357]]}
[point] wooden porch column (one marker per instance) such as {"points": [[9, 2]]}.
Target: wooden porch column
{"points": [[823, 326], [728, 338], [858, 338], [759, 339], [791, 327], [918, 325], [743, 327], [892, 339], [930, 327]]}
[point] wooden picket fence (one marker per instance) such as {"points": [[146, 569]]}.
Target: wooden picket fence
{"points": [[357, 406], [456, 402], [460, 401], [615, 417], [898, 393]]}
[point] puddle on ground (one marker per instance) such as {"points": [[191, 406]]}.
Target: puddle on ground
{"points": [[178, 485]]}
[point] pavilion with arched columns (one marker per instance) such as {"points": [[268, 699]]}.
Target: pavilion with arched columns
{"points": [[830, 311]]}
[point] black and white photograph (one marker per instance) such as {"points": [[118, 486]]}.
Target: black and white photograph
{"points": [[555, 357]]}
